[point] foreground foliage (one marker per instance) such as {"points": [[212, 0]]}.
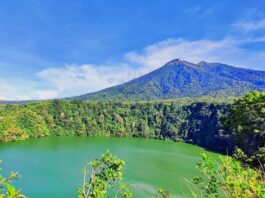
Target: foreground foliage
{"points": [[228, 179], [7, 190], [163, 193], [105, 179], [246, 119]]}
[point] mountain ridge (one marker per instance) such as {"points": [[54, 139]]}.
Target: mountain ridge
{"points": [[180, 78]]}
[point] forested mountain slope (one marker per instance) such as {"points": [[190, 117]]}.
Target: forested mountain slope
{"points": [[180, 78]]}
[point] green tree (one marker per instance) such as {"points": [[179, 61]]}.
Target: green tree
{"points": [[105, 179], [246, 120]]}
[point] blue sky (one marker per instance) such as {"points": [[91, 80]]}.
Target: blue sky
{"points": [[58, 48]]}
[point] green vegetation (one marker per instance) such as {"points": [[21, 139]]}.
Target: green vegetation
{"points": [[7, 190], [180, 78], [228, 179], [191, 120], [163, 193], [105, 179], [213, 124], [199, 121], [246, 119]]}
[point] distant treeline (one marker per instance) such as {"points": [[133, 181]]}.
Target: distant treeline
{"points": [[191, 120]]}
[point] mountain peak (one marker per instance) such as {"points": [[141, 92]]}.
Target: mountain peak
{"points": [[179, 78], [202, 63], [178, 61]]}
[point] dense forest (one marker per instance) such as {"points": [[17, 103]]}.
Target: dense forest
{"points": [[216, 124], [190, 120]]}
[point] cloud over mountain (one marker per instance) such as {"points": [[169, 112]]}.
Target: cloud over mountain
{"points": [[74, 79]]}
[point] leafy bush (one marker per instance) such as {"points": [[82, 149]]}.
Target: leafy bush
{"points": [[246, 119], [105, 179], [228, 179]]}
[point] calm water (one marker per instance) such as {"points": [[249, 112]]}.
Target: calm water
{"points": [[51, 167]]}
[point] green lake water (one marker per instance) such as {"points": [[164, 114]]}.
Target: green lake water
{"points": [[51, 167]]}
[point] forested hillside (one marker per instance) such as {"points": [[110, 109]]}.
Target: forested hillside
{"points": [[191, 120], [179, 78], [216, 124]]}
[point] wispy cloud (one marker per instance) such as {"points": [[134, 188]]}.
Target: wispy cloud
{"points": [[79, 79], [251, 25], [227, 51], [24, 90], [72, 79]]}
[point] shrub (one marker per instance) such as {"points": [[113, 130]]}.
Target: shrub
{"points": [[228, 179], [105, 179]]}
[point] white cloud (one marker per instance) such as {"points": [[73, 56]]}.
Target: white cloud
{"points": [[251, 25], [227, 51], [73, 79], [46, 94], [79, 79], [12, 90], [9, 91], [159, 53]]}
